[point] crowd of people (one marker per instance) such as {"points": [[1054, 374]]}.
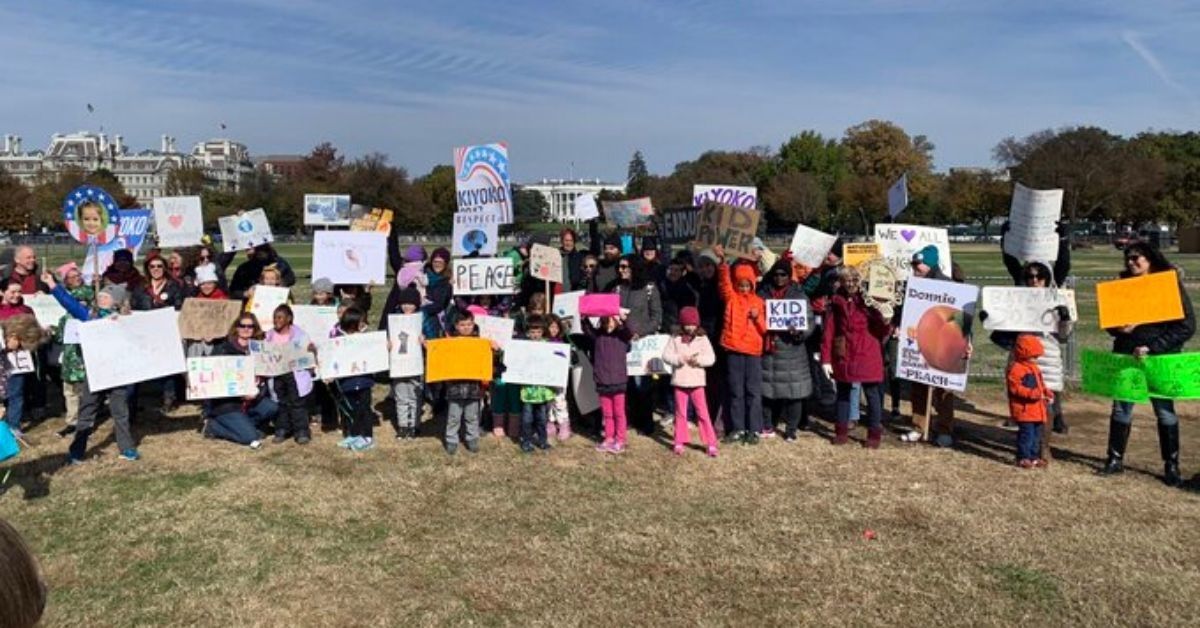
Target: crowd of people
{"points": [[740, 381]]}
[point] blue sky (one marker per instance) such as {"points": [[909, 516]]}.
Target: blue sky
{"points": [[591, 82]]}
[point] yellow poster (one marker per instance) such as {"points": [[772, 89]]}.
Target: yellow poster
{"points": [[855, 253], [458, 358], [1151, 298]]}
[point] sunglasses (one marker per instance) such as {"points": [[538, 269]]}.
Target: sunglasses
{"points": [[1133, 258], [245, 326], [590, 266], [623, 267], [1029, 276], [158, 266]]}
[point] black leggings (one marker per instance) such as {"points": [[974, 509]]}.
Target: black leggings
{"points": [[362, 423]]}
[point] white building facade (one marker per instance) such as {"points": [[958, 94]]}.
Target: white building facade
{"points": [[560, 194]]}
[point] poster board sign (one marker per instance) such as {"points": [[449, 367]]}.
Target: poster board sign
{"points": [[264, 302], [629, 214], [458, 359], [91, 215], [787, 314], [483, 276], [129, 349], [315, 320], [566, 307], [178, 220], [546, 263], [350, 257], [537, 363], [809, 246], [245, 230], [20, 362], [678, 225], [1031, 224], [499, 329], [583, 384], [71, 331], [135, 223], [1126, 378], [1173, 376], [363, 353], [585, 207], [481, 180], [1018, 308], [855, 253], [898, 243], [45, 308], [406, 352], [730, 226], [376, 219], [1151, 298], [218, 377], [327, 210], [272, 359], [898, 196], [475, 233], [645, 356], [742, 196], [599, 304], [935, 333], [206, 319]]}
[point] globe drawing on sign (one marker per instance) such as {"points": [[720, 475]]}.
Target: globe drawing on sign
{"points": [[474, 240], [245, 226]]}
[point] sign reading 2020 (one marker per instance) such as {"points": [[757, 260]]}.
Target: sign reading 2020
{"points": [[481, 179]]}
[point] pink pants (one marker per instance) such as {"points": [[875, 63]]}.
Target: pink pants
{"points": [[612, 408], [696, 395]]}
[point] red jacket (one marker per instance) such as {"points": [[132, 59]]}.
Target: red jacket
{"points": [[853, 340], [9, 311], [739, 333], [1027, 393]]}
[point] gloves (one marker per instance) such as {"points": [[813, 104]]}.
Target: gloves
{"points": [[982, 315], [828, 369], [1064, 313]]}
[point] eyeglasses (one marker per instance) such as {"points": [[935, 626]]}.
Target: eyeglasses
{"points": [[158, 266], [245, 326], [590, 266]]}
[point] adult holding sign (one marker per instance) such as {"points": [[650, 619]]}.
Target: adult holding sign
{"points": [[852, 353], [787, 381], [640, 297], [1142, 259], [241, 419]]}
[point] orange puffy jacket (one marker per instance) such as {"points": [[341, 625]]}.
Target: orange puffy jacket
{"points": [[741, 334], [1027, 393]]}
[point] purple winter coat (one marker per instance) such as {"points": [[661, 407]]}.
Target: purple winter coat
{"points": [[608, 356]]}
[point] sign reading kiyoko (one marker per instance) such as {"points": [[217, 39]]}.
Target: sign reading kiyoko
{"points": [[481, 179], [935, 333], [745, 197]]}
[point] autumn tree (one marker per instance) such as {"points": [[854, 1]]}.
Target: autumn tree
{"points": [[975, 196], [185, 181], [877, 153], [15, 203], [637, 176], [796, 197]]}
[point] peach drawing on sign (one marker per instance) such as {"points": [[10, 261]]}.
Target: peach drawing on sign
{"points": [[942, 338]]}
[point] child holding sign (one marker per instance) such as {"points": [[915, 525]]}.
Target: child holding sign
{"points": [[464, 398], [690, 353], [742, 336], [355, 390], [407, 391], [610, 370], [535, 400]]}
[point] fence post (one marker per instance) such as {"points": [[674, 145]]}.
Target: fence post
{"points": [[1071, 372]]}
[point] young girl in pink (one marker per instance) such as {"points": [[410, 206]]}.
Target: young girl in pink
{"points": [[612, 343], [689, 353]]}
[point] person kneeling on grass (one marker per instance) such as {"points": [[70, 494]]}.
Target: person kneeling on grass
{"points": [[240, 419], [1027, 399]]}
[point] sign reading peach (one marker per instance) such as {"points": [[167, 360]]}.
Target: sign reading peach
{"points": [[935, 333]]}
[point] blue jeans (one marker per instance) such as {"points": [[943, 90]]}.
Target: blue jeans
{"points": [[14, 413], [243, 427], [533, 423], [1164, 411], [1029, 440], [845, 402], [855, 400]]}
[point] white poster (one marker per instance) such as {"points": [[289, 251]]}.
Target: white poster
{"points": [[264, 302], [245, 230], [178, 221], [352, 354], [1025, 309], [315, 320], [273, 359], [128, 349], [481, 179], [45, 308], [585, 207], [810, 246], [330, 210], [475, 233], [566, 307], [897, 243], [406, 352], [1031, 224], [645, 356], [537, 363], [218, 377], [350, 257], [546, 263], [71, 331], [496, 328], [745, 197], [935, 332], [20, 362], [583, 384], [787, 314], [898, 196], [483, 275]]}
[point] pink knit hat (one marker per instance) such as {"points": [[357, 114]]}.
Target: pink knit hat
{"points": [[61, 271]]}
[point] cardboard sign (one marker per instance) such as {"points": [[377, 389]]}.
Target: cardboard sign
{"points": [[678, 225], [629, 214], [483, 276], [328, 210], [352, 354], [1151, 298], [585, 207], [566, 307], [898, 196], [809, 246], [219, 377], [475, 233], [481, 180], [745, 197], [407, 354], [1025, 309], [376, 219], [645, 356], [496, 328], [178, 220], [787, 314], [315, 320], [45, 308], [727, 225], [245, 230], [855, 253], [206, 319], [20, 362], [537, 363], [600, 304], [350, 257], [140, 347], [546, 263], [935, 332], [264, 302], [1031, 224], [458, 359], [275, 359], [583, 384], [897, 243]]}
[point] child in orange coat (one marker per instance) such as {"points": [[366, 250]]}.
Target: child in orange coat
{"points": [[1027, 399], [742, 337]]}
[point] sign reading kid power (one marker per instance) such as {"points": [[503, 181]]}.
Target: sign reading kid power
{"points": [[481, 179]]}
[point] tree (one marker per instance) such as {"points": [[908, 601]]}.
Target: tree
{"points": [[792, 197], [1180, 152], [529, 206], [438, 191], [878, 152], [812, 153], [637, 176], [185, 181], [322, 168], [16, 203], [977, 197]]}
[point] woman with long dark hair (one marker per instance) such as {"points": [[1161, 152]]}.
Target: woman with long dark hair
{"points": [[640, 296]]}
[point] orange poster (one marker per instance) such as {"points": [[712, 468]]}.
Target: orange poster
{"points": [[1151, 298], [458, 358]]}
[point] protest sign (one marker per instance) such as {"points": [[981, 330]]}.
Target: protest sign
{"points": [[855, 253], [537, 363], [483, 276], [897, 243], [362, 353], [898, 196], [45, 308], [677, 225], [135, 223], [20, 362], [810, 246], [730, 226], [129, 349], [460, 358], [475, 233], [273, 359], [71, 331], [218, 377], [585, 207], [206, 319], [315, 320], [745, 197], [1151, 298], [1174, 375], [481, 180], [1031, 224], [91, 216], [583, 384], [178, 221], [1025, 309], [645, 356], [496, 328], [935, 333], [1114, 375], [566, 307], [264, 302], [375, 219], [245, 230], [546, 263], [606, 304], [350, 257], [629, 214], [787, 314], [407, 354], [327, 210]]}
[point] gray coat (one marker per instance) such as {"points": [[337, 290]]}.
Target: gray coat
{"points": [[785, 368], [645, 308]]}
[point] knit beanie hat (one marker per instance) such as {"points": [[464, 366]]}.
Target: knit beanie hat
{"points": [[414, 253], [927, 256], [441, 252], [206, 274], [115, 291], [322, 285], [410, 295], [689, 316], [61, 271], [649, 243], [613, 240], [123, 255], [838, 245]]}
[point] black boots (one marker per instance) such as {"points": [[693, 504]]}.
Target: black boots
{"points": [[1168, 444], [1118, 437]]}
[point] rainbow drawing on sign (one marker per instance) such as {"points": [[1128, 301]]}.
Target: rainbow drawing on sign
{"points": [[481, 179]]}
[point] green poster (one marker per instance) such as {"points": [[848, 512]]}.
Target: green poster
{"points": [[1115, 376], [1173, 376]]}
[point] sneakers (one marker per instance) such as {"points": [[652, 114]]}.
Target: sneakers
{"points": [[66, 431], [617, 448], [131, 455], [749, 438], [734, 437], [912, 436], [278, 439], [526, 447], [473, 446], [564, 432], [362, 444], [767, 433], [544, 446], [679, 449], [605, 447], [348, 442], [712, 451], [551, 430], [789, 437], [303, 439], [73, 461]]}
